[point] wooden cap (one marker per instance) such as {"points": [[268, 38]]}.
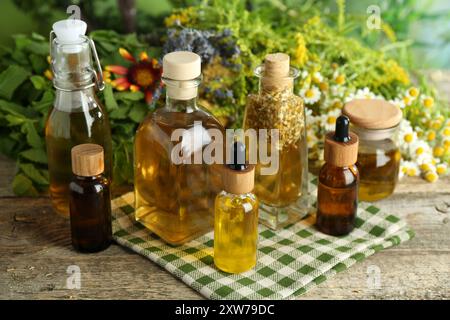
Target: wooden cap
{"points": [[238, 181], [87, 160], [341, 154], [372, 113]]}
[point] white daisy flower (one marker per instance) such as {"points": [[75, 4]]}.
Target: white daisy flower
{"points": [[304, 74], [406, 134], [310, 95], [317, 77], [364, 93], [338, 91], [398, 103], [420, 151], [409, 168], [329, 119]]}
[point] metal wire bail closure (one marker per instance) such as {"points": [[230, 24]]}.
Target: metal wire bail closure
{"points": [[98, 74]]}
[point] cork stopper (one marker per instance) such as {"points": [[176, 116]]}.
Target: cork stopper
{"points": [[276, 72], [341, 146], [87, 160], [238, 176], [372, 113]]}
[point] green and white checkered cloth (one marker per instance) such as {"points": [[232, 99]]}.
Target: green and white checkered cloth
{"points": [[290, 261]]}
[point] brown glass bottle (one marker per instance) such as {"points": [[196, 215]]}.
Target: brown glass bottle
{"points": [[337, 199], [90, 200], [337, 193]]}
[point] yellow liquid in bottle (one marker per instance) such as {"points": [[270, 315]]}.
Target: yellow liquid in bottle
{"points": [[378, 165], [284, 187], [63, 131], [174, 201], [235, 232]]}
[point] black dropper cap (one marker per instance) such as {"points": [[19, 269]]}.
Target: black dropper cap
{"points": [[342, 127], [238, 157]]}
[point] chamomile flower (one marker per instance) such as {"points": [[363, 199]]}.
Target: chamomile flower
{"points": [[310, 95], [438, 151], [304, 74], [446, 132], [441, 169], [407, 100], [431, 176], [420, 151], [364, 93], [412, 92], [311, 139], [338, 78], [317, 77], [329, 119], [398, 103], [406, 133], [409, 168], [427, 101], [338, 91]]}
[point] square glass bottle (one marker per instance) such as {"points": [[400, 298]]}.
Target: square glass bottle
{"points": [[175, 199], [283, 195]]}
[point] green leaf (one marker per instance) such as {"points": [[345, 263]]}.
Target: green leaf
{"points": [[38, 63], [110, 100], [22, 186], [15, 120], [35, 154], [45, 103], [7, 146], [24, 43], [138, 112], [39, 82], [31, 172], [119, 113], [11, 79], [130, 96], [33, 137], [15, 109]]}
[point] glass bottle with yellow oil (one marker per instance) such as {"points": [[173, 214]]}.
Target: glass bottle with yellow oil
{"points": [[283, 194], [236, 216], [375, 121], [77, 115], [174, 188]]}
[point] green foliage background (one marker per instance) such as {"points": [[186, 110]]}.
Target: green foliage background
{"points": [[26, 95]]}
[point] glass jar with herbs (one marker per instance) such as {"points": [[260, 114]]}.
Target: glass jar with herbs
{"points": [[283, 193]]}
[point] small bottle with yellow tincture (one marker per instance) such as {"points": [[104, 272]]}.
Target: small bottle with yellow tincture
{"points": [[236, 216]]}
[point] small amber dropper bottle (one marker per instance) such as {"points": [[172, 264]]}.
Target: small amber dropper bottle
{"points": [[236, 216], [90, 200], [337, 195]]}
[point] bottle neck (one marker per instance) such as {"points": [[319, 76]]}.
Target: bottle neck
{"points": [[72, 66], [181, 96], [269, 85], [177, 105], [76, 101]]}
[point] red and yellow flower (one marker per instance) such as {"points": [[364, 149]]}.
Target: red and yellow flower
{"points": [[144, 74]]}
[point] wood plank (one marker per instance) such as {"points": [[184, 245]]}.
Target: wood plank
{"points": [[36, 251]]}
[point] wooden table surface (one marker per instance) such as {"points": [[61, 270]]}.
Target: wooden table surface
{"points": [[35, 252]]}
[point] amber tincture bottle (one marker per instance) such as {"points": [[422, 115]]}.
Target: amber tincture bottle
{"points": [[337, 195], [90, 200], [236, 216]]}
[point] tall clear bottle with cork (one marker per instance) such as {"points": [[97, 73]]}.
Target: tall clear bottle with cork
{"points": [[283, 195], [77, 115], [174, 197]]}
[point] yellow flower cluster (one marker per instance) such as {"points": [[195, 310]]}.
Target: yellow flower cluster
{"points": [[301, 53], [180, 17]]}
